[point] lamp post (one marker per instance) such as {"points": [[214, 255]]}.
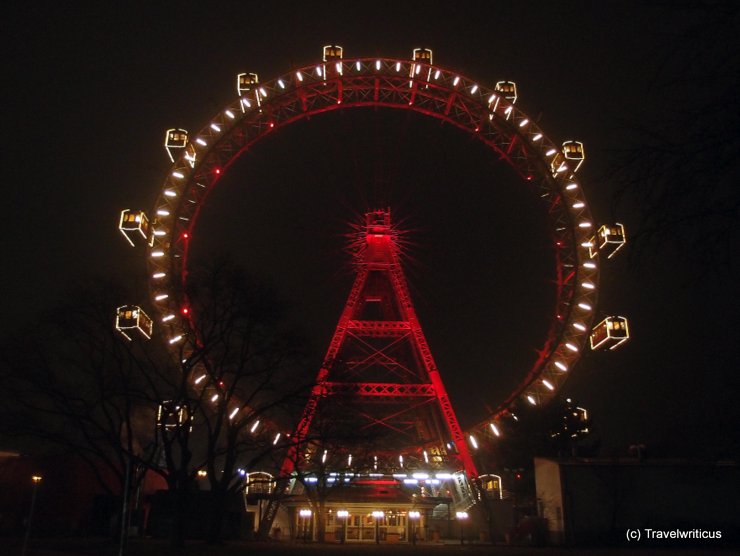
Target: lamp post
{"points": [[461, 517], [414, 516], [378, 515], [343, 515], [306, 516], [35, 479]]}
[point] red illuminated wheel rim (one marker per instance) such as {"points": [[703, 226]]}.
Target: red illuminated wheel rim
{"points": [[489, 114]]}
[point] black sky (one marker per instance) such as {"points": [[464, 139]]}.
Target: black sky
{"points": [[89, 92]]}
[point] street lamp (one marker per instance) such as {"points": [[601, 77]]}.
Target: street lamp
{"points": [[414, 516], [378, 515], [306, 516], [461, 517], [35, 479], [343, 515]]}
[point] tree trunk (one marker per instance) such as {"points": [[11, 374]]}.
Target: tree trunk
{"points": [[216, 517]]}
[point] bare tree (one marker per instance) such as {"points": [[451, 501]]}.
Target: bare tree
{"points": [[681, 170]]}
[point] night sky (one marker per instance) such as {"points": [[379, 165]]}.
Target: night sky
{"points": [[88, 95]]}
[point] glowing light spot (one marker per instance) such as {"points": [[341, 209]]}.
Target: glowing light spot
{"points": [[579, 326], [589, 265], [157, 254], [201, 142], [281, 84], [571, 186], [158, 275], [299, 76], [178, 175], [398, 66], [495, 430], [230, 114], [562, 366], [578, 205], [572, 347], [548, 384], [161, 297], [170, 193], [168, 318], [473, 441], [216, 128], [584, 225], [474, 89], [537, 137], [584, 306], [524, 122], [233, 413], [436, 74], [456, 81], [531, 400], [200, 379], [377, 65], [550, 152], [176, 339]]}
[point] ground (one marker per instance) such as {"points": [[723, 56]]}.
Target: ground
{"points": [[103, 547]]}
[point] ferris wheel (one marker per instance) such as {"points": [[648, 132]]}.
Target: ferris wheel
{"points": [[488, 113]]}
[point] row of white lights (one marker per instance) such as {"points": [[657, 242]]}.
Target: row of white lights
{"points": [[261, 93]]}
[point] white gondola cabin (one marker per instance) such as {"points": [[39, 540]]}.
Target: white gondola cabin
{"points": [[423, 55], [610, 333], [245, 82], [132, 321], [573, 150], [506, 89], [332, 53], [175, 140], [171, 415], [608, 240], [134, 226]]}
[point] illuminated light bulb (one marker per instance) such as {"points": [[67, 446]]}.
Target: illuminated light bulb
{"points": [[323, 456], [508, 110], [201, 142], [255, 425], [400, 460], [426, 457], [588, 285], [161, 296], [339, 67], [246, 102], [170, 193], [163, 212], [200, 379], [585, 306], [178, 175], [215, 128], [176, 339], [584, 225], [377, 64], [491, 99], [524, 122], [578, 205], [572, 347], [398, 66], [550, 152], [562, 168], [318, 71], [589, 265], [281, 84], [299, 76], [579, 326], [562, 366], [548, 384], [358, 65], [349, 462], [474, 89], [495, 430], [230, 114], [418, 69], [537, 137], [263, 92], [456, 81], [531, 400], [436, 74], [157, 254], [587, 244], [158, 275], [473, 441], [233, 413], [214, 398], [571, 186], [168, 318]]}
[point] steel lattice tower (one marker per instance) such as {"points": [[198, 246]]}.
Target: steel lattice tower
{"points": [[379, 366]]}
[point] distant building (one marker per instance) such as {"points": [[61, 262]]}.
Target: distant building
{"points": [[595, 502]]}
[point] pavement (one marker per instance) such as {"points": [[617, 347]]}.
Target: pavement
{"points": [[152, 547]]}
